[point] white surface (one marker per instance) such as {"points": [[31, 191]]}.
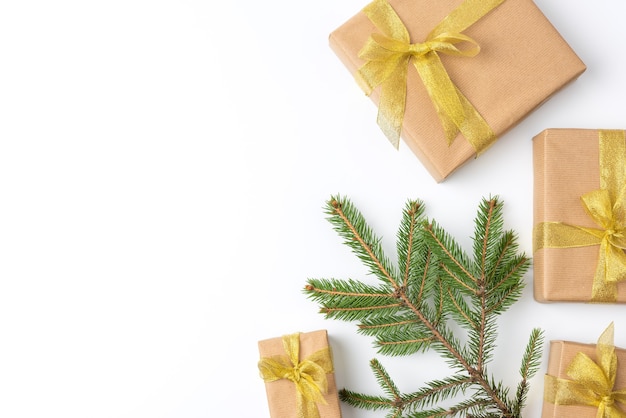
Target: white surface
{"points": [[163, 167]]}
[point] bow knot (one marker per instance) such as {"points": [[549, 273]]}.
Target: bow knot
{"points": [[384, 48], [445, 43], [295, 375], [611, 232], [615, 237], [608, 400], [591, 382], [387, 56], [606, 214]]}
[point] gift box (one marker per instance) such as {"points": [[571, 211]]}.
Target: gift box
{"points": [[299, 376], [579, 178], [522, 61], [578, 380]]}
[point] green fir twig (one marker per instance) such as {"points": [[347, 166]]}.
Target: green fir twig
{"points": [[421, 303]]}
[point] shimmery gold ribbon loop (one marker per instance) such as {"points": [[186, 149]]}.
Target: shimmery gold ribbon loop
{"points": [[387, 56], [308, 375], [591, 382], [607, 208]]}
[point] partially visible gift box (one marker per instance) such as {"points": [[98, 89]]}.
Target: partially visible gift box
{"points": [[585, 380], [579, 215], [522, 61], [299, 376]]}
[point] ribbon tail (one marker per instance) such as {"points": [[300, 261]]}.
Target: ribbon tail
{"points": [[392, 105], [306, 408], [619, 213], [474, 128], [313, 383], [612, 411], [609, 411], [615, 264], [620, 396], [455, 111], [393, 90], [442, 92], [603, 290]]}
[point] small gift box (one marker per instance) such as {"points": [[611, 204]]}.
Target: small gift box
{"points": [[579, 215], [299, 376], [585, 380], [451, 76]]}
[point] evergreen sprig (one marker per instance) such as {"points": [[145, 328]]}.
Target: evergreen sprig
{"points": [[436, 297]]}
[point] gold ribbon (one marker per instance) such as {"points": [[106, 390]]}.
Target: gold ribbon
{"points": [[607, 207], [591, 382], [308, 375], [388, 54]]}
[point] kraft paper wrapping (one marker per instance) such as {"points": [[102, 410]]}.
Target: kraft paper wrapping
{"points": [[566, 166], [523, 61], [561, 355], [281, 394]]}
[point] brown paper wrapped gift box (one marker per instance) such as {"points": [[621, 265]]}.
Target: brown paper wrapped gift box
{"points": [[566, 166], [281, 394], [561, 355], [523, 61]]}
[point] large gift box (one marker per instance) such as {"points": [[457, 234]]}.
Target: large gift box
{"points": [[579, 215], [299, 376], [502, 60], [585, 380]]}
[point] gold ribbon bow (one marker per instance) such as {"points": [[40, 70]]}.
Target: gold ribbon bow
{"points": [[388, 54], [592, 382], [607, 207], [308, 375]]}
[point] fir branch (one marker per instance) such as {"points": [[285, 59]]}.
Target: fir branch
{"points": [[357, 235], [462, 312], [488, 229], [400, 330], [351, 300], [531, 361], [384, 380], [532, 356], [435, 285], [361, 401], [470, 407], [409, 250], [452, 258], [436, 391]]}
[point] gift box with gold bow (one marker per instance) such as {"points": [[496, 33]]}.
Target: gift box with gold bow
{"points": [[299, 376], [585, 380], [451, 76], [579, 215]]}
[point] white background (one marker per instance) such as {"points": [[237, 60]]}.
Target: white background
{"points": [[163, 168]]}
